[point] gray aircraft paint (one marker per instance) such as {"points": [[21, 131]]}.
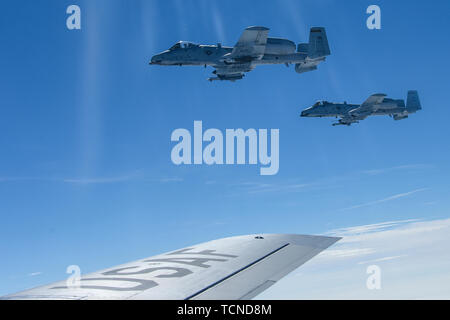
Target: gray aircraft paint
{"points": [[375, 105], [253, 48]]}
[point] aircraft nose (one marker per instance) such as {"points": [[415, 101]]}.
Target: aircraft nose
{"points": [[304, 113], [156, 59]]}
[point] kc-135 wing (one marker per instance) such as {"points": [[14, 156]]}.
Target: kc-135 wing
{"points": [[232, 268]]}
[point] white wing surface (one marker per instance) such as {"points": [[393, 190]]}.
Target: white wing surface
{"points": [[231, 268]]}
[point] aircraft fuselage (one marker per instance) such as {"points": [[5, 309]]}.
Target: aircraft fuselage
{"points": [[375, 105], [219, 56]]}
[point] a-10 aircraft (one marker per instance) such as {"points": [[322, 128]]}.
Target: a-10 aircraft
{"points": [[375, 105], [253, 48]]}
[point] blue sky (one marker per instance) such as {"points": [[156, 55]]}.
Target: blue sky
{"points": [[85, 124]]}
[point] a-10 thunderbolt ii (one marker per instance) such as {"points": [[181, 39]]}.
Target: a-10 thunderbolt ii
{"points": [[253, 48], [375, 105]]}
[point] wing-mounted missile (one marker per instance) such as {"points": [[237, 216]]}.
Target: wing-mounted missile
{"points": [[344, 122], [231, 73], [226, 77]]}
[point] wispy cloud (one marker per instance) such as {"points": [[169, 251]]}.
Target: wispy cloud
{"points": [[218, 24], [383, 259], [347, 252], [293, 13], [394, 234], [174, 179], [93, 180], [255, 187], [118, 179], [180, 20], [149, 24], [336, 181], [19, 179], [390, 198], [369, 228], [99, 180], [413, 256], [395, 168], [34, 274]]}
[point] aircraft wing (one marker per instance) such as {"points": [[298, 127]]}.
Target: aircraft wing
{"points": [[251, 44], [374, 99], [231, 268]]}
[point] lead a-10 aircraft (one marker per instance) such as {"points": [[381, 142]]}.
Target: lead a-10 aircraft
{"points": [[375, 105], [253, 48], [232, 268]]}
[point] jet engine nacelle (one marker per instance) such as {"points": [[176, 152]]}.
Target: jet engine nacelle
{"points": [[279, 46]]}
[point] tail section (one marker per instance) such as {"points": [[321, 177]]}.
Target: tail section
{"points": [[316, 50], [413, 102], [318, 43]]}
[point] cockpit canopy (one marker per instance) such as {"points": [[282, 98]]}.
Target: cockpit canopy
{"points": [[182, 45], [320, 103]]}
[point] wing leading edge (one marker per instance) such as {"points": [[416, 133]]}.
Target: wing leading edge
{"points": [[231, 268], [374, 99]]}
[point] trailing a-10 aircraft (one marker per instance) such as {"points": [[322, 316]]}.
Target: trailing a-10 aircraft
{"points": [[253, 48], [375, 105]]}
